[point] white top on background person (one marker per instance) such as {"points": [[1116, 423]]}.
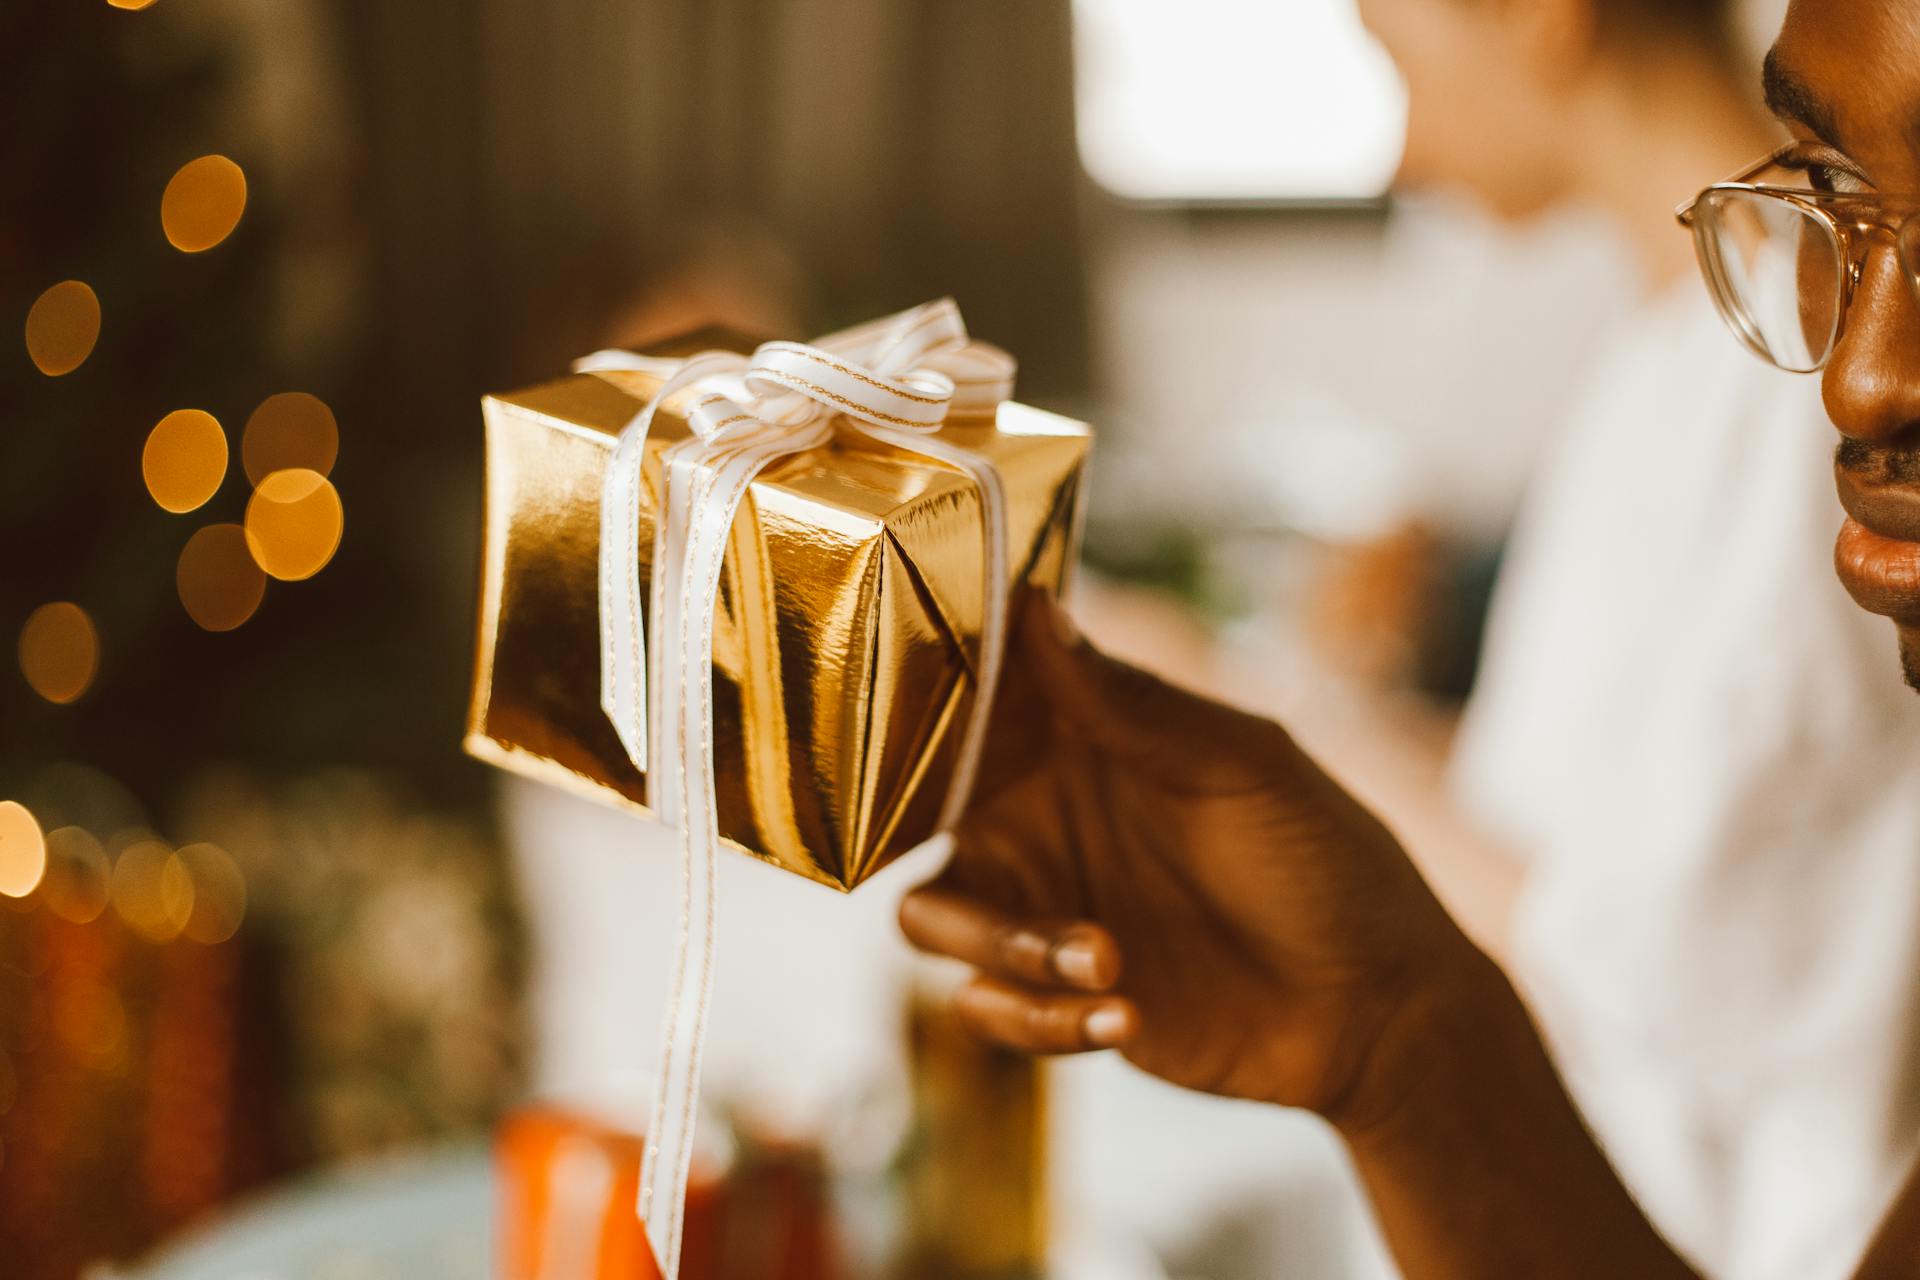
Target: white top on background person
{"points": [[1696, 740]]}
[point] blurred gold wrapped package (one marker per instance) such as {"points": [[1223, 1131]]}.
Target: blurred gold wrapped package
{"points": [[847, 632]]}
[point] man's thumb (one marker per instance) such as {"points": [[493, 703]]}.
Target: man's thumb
{"points": [[1113, 705]]}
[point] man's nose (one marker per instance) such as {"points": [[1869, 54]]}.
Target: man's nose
{"points": [[1872, 381]]}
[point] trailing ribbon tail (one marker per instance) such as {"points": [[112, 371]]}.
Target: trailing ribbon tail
{"points": [[623, 644], [894, 379]]}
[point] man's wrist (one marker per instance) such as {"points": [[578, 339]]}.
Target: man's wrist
{"points": [[1452, 1008], [1476, 1160]]}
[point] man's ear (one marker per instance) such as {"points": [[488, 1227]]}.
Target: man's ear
{"points": [[1556, 37]]}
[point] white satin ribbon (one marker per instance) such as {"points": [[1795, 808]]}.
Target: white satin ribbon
{"points": [[895, 379]]}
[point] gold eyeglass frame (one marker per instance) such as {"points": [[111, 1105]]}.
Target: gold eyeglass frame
{"points": [[1852, 238]]}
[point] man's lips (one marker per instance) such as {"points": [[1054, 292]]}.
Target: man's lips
{"points": [[1881, 574], [1890, 510], [1878, 552]]}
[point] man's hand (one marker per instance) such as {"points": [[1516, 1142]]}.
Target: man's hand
{"points": [[1155, 872]]}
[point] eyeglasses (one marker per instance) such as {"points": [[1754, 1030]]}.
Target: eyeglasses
{"points": [[1783, 262]]}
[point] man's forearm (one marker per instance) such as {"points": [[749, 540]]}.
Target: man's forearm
{"points": [[1476, 1159]]}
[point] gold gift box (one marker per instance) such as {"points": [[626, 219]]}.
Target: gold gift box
{"points": [[846, 637]]}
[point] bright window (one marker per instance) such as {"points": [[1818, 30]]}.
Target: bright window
{"points": [[1234, 100]]}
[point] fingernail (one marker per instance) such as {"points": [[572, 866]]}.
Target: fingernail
{"points": [[1107, 1026], [1076, 962]]}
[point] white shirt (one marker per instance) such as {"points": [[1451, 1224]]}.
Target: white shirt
{"points": [[808, 988], [1706, 751]]}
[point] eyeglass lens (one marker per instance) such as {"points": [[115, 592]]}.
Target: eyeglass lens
{"points": [[1777, 274]]}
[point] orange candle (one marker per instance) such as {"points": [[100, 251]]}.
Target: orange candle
{"points": [[566, 1187]]}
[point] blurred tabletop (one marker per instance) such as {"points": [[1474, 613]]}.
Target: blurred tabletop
{"points": [[427, 1217]]}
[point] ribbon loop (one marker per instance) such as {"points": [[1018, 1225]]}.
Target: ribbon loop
{"points": [[982, 376], [895, 379], [916, 400], [718, 419]]}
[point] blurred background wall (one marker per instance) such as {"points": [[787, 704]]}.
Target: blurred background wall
{"points": [[448, 199]]}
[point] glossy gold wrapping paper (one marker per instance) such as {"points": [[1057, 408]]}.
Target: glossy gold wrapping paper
{"points": [[846, 636]]}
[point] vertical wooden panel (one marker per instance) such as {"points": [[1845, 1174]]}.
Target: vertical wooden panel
{"points": [[537, 162]]}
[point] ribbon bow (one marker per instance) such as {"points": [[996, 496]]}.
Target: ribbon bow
{"points": [[895, 379]]}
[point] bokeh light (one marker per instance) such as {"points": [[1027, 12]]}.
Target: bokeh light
{"points": [[290, 431], [294, 521], [62, 326], [203, 203], [78, 875], [59, 651], [220, 585], [129, 4], [185, 459], [219, 893], [127, 837], [23, 850], [152, 890]]}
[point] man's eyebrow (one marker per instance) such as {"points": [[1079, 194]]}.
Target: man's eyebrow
{"points": [[1789, 98]]}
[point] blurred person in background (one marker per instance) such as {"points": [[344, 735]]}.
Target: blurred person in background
{"points": [[1642, 804]]}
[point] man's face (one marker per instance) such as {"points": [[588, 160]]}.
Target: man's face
{"points": [[1845, 76]]}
